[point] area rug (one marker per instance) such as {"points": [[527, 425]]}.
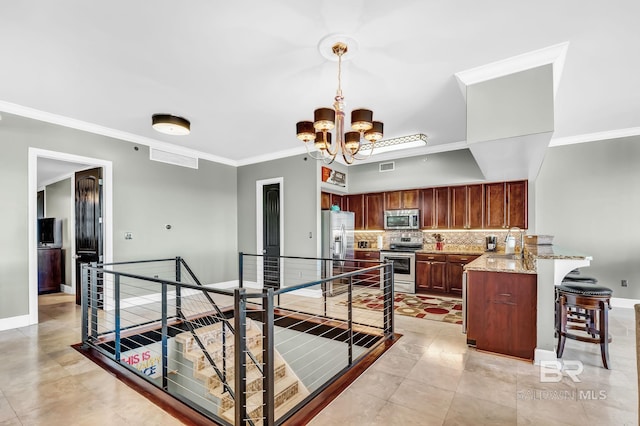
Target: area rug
{"points": [[445, 309]]}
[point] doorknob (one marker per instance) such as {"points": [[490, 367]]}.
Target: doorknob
{"points": [[264, 251], [75, 256]]}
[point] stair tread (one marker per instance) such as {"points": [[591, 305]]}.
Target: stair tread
{"points": [[255, 400]]}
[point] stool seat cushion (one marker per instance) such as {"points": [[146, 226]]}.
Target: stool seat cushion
{"points": [[584, 289]]}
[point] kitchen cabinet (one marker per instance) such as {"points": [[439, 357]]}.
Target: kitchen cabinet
{"points": [[407, 199], [506, 204], [328, 199], [501, 312], [466, 206], [355, 204], [455, 268], [431, 273], [434, 207], [370, 279], [374, 211]]}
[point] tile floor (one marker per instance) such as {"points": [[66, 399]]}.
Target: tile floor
{"points": [[428, 377]]}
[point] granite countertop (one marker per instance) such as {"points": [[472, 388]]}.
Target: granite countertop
{"points": [[367, 249], [488, 263], [493, 262]]}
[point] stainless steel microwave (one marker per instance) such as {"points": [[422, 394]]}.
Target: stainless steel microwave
{"points": [[402, 219]]}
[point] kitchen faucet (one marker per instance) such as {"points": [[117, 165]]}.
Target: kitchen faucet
{"points": [[515, 228]]}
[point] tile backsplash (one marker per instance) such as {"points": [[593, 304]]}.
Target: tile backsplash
{"points": [[472, 240]]}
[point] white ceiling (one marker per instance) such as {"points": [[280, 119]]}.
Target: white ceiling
{"points": [[245, 72]]}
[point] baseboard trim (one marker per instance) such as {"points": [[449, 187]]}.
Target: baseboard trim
{"points": [[14, 322], [618, 302]]}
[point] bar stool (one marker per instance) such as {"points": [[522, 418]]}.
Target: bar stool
{"points": [[595, 301]]}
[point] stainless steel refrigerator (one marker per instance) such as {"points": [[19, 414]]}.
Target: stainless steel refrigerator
{"points": [[337, 244]]}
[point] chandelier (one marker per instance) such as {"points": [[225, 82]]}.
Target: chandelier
{"points": [[326, 119]]}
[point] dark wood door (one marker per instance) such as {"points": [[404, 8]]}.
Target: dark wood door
{"points": [[438, 276], [494, 194], [88, 202], [441, 208], [355, 204], [427, 207], [271, 234], [475, 206], [516, 199], [458, 207], [393, 200], [374, 211]]}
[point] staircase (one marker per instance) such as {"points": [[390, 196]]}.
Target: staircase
{"points": [[289, 390]]}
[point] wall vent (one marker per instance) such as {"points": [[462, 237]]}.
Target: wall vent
{"points": [[168, 157], [388, 166]]}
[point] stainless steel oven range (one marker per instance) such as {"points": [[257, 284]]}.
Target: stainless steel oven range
{"points": [[402, 254]]}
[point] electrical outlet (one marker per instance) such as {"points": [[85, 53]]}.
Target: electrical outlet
{"points": [[128, 235], [625, 283]]}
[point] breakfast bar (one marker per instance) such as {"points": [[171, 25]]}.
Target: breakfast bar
{"points": [[510, 300]]}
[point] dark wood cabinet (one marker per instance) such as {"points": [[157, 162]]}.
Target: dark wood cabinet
{"points": [[501, 312], [407, 199], [50, 270], [455, 268], [441, 208], [372, 278], [466, 206], [434, 207], [491, 205], [427, 207], [355, 204], [506, 204], [431, 273], [517, 204], [327, 199], [374, 211]]}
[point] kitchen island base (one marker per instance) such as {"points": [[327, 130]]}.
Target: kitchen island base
{"points": [[501, 309]]}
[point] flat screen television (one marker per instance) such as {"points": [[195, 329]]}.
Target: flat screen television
{"points": [[49, 232]]}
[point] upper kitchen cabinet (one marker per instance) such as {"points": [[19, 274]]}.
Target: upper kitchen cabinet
{"points": [[328, 199], [466, 206], [506, 204], [434, 207], [355, 204], [374, 211], [408, 199]]}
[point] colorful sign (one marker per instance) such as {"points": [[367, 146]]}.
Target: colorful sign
{"points": [[146, 359], [333, 176]]}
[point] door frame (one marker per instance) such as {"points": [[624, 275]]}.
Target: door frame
{"points": [[259, 219], [107, 216]]}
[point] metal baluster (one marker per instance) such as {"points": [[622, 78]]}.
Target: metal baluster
{"points": [[178, 288], [84, 287], [94, 300], [165, 384], [268, 380], [116, 290], [240, 268], [388, 298], [239, 306], [350, 318]]}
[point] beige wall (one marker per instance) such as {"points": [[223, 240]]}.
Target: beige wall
{"points": [[588, 197], [199, 204]]}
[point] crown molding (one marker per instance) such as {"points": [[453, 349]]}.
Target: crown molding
{"points": [[554, 55]]}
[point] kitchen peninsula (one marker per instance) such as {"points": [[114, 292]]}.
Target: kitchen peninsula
{"points": [[510, 301]]}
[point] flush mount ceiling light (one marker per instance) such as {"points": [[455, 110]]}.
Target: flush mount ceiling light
{"points": [[326, 119], [170, 124], [403, 142]]}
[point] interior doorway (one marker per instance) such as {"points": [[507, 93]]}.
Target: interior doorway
{"points": [[81, 163], [270, 230]]}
